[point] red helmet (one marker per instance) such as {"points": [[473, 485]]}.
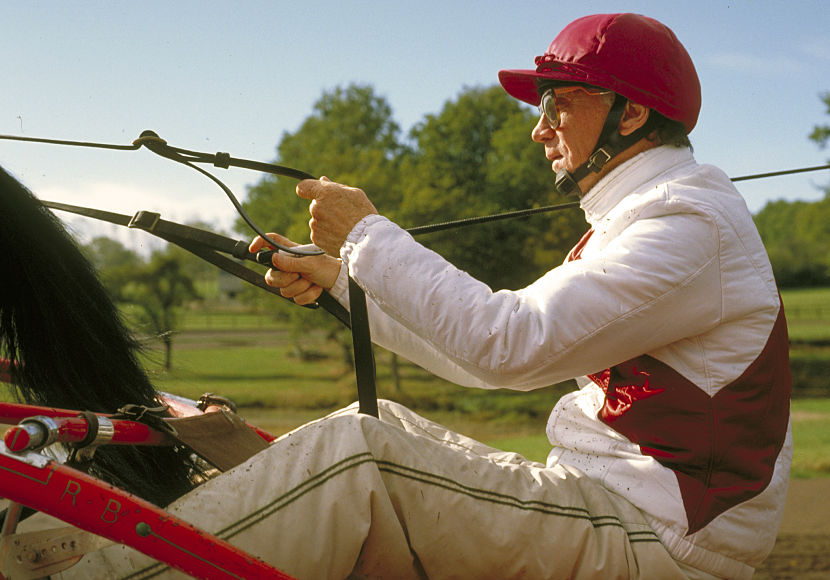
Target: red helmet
{"points": [[632, 55]]}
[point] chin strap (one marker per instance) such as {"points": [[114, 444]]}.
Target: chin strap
{"points": [[612, 144]]}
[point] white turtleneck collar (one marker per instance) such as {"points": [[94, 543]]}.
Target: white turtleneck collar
{"points": [[629, 177]]}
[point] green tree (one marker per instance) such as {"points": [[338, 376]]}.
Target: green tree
{"points": [[157, 289], [821, 133], [154, 289], [114, 262], [476, 158], [350, 137], [797, 237], [209, 280]]}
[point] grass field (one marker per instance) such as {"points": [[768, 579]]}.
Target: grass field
{"points": [[808, 314]]}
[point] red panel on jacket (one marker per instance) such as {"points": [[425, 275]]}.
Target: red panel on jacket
{"points": [[722, 448]]}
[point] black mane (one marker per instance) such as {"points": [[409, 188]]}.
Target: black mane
{"points": [[69, 346]]}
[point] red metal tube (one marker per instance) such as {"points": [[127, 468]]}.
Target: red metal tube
{"points": [[127, 432], [107, 511], [33, 433], [14, 413]]}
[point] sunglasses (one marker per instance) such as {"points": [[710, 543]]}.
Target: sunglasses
{"points": [[549, 108]]}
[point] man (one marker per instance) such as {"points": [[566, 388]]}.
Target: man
{"points": [[668, 305], [670, 461]]}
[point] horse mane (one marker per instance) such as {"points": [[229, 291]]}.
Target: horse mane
{"points": [[68, 346]]}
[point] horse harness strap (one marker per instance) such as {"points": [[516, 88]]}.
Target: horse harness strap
{"points": [[202, 243], [210, 247]]}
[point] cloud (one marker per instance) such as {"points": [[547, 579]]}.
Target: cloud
{"points": [[127, 199], [805, 56], [756, 64], [817, 48]]}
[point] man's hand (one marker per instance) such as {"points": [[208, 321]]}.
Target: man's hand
{"points": [[301, 279], [335, 209]]}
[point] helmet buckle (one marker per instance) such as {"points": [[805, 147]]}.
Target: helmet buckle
{"points": [[599, 158]]}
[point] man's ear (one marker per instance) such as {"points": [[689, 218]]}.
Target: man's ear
{"points": [[634, 116]]}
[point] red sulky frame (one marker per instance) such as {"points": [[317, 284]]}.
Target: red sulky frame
{"points": [[41, 483]]}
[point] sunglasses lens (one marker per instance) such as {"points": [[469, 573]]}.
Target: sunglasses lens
{"points": [[547, 107]]}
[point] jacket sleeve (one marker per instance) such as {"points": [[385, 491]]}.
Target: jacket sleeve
{"points": [[655, 283]]}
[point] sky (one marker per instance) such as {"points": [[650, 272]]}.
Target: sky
{"points": [[236, 76]]}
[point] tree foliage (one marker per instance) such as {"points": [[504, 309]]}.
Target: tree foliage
{"points": [[797, 237], [155, 288], [476, 158], [797, 234], [821, 133], [158, 288], [350, 137], [114, 263]]}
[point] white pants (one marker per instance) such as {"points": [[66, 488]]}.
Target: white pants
{"points": [[352, 496]]}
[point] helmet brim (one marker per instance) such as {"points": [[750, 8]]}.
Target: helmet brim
{"points": [[523, 84]]}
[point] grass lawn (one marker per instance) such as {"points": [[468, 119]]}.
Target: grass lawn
{"points": [[811, 437], [808, 313]]}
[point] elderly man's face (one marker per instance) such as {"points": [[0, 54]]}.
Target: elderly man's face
{"points": [[581, 117]]}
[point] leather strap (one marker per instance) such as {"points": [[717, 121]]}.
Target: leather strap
{"points": [[201, 243], [207, 246], [364, 358]]}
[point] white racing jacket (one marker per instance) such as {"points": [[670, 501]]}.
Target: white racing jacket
{"points": [[667, 310]]}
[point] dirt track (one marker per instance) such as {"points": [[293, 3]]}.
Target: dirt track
{"points": [[803, 547]]}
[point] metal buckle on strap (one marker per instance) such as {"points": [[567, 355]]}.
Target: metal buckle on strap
{"points": [[209, 399], [598, 160], [144, 220], [151, 416]]}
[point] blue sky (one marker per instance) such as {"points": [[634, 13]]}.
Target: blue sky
{"points": [[234, 76]]}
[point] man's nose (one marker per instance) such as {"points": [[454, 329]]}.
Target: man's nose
{"points": [[542, 131]]}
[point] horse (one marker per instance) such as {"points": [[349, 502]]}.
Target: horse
{"points": [[68, 347]]}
